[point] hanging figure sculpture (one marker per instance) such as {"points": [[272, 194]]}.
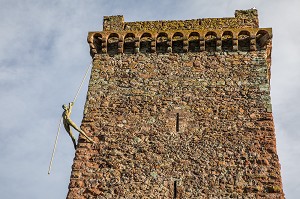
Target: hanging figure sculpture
{"points": [[68, 123]]}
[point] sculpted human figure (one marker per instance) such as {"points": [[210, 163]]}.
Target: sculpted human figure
{"points": [[68, 122]]}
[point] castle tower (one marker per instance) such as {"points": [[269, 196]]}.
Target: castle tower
{"points": [[179, 109]]}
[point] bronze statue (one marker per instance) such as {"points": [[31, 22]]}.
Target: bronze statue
{"points": [[68, 122]]}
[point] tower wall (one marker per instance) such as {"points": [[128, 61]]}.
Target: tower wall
{"points": [[178, 113]]}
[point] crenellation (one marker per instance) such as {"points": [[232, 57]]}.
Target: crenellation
{"points": [[113, 23], [248, 17], [242, 19]]}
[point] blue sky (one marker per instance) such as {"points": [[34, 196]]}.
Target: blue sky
{"points": [[44, 55]]}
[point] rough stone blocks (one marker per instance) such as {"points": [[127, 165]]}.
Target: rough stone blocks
{"points": [[182, 120]]}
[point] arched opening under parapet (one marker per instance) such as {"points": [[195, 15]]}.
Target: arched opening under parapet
{"points": [[162, 43], [227, 41], [177, 43], [145, 43], [129, 43], [194, 42], [210, 41], [112, 44], [262, 38], [244, 41], [97, 41]]}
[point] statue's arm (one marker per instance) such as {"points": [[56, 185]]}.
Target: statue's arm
{"points": [[70, 106]]}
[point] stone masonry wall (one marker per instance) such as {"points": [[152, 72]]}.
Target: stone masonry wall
{"points": [[192, 125], [179, 110]]}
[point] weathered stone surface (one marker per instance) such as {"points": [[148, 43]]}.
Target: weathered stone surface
{"points": [[178, 125], [243, 18]]}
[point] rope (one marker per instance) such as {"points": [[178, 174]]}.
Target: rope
{"points": [[82, 82], [61, 119], [55, 143]]}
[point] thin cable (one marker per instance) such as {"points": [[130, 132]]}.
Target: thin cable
{"points": [[54, 148], [82, 82]]}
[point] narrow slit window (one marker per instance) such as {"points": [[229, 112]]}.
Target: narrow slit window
{"points": [[177, 122], [175, 189]]}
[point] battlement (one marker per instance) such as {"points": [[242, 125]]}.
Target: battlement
{"points": [[242, 19], [240, 33]]}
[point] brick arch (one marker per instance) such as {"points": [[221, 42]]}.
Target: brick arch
{"points": [[177, 42], [194, 42], [227, 41], [162, 42], [262, 38], [97, 41], [244, 40], [145, 43], [129, 43], [210, 41], [112, 43]]}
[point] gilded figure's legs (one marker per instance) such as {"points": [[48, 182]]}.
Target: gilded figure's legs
{"points": [[68, 129], [80, 131]]}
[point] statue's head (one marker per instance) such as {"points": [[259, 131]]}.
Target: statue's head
{"points": [[65, 107]]}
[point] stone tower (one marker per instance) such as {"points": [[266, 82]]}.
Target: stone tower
{"points": [[179, 109]]}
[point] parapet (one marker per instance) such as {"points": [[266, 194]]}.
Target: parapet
{"points": [[242, 19], [239, 33]]}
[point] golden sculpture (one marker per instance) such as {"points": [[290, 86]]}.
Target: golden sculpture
{"points": [[68, 122]]}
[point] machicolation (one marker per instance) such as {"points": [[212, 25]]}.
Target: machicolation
{"points": [[225, 34]]}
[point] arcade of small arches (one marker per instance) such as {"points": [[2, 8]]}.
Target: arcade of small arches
{"points": [[178, 42]]}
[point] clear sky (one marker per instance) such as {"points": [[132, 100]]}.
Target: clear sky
{"points": [[43, 58]]}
